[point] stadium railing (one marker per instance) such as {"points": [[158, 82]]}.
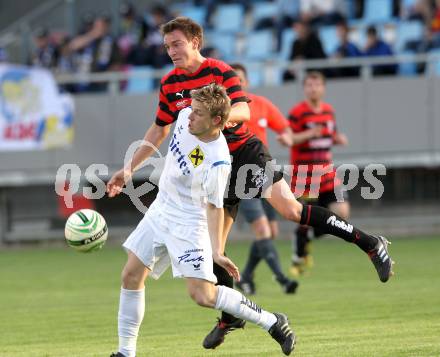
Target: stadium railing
{"points": [[271, 69], [10, 179]]}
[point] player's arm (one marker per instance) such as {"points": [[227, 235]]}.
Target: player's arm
{"points": [[285, 137], [340, 139], [299, 135], [306, 135], [278, 123], [239, 113], [153, 138], [215, 216]]}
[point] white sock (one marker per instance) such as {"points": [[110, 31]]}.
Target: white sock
{"points": [[236, 304], [131, 313]]}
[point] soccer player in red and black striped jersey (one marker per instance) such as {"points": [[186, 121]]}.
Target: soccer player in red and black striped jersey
{"points": [[257, 211], [252, 170], [314, 178]]}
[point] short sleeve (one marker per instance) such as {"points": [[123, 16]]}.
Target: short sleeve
{"points": [[226, 76], [276, 119], [216, 181], [164, 114]]}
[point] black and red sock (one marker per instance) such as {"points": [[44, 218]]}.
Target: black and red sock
{"points": [[330, 223]]}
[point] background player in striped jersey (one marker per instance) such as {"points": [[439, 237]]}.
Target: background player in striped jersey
{"points": [[314, 127], [257, 211], [183, 39], [183, 226]]}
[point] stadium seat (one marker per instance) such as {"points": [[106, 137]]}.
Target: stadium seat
{"points": [[259, 45], [408, 68], [262, 10], [229, 18], [225, 43], [408, 31], [350, 8], [140, 84], [197, 13], [378, 11], [329, 39], [255, 74], [287, 38]]}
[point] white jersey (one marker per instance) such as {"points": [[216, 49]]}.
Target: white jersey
{"points": [[195, 173]]}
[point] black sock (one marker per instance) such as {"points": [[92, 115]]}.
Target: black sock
{"points": [[253, 260], [328, 222], [301, 241], [223, 278], [317, 233], [267, 251]]}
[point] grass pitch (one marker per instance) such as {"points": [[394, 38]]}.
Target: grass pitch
{"points": [[56, 302]]}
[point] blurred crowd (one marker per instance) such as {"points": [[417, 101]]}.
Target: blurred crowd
{"points": [[137, 41]]}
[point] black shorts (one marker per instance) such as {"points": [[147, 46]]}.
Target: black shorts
{"points": [[252, 172]]}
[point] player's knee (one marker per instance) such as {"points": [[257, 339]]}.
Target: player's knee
{"points": [[292, 213], [262, 229], [131, 279], [201, 299]]}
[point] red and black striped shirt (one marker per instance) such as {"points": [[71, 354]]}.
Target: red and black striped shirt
{"points": [[312, 160], [175, 95]]}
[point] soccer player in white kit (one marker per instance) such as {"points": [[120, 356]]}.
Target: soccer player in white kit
{"points": [[183, 226]]}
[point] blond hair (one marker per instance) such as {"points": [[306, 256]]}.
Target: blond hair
{"points": [[187, 26], [215, 100]]}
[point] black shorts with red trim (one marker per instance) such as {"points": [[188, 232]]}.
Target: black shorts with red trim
{"points": [[252, 172]]}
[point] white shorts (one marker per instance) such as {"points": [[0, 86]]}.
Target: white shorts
{"points": [[157, 242]]}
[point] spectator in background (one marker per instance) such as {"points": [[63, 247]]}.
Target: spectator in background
{"points": [[96, 51], [418, 10], [151, 51], [3, 55], [211, 7], [377, 47], [45, 53], [87, 21], [435, 22], [307, 45], [66, 63], [346, 49], [424, 45], [132, 29], [287, 13], [321, 12]]}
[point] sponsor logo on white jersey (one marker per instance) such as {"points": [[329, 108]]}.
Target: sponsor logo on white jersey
{"points": [[175, 150]]}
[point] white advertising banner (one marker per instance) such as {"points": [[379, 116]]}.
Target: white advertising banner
{"points": [[33, 114]]}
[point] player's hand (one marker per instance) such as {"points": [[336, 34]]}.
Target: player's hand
{"points": [[227, 264], [285, 139], [315, 132], [340, 139], [117, 182]]}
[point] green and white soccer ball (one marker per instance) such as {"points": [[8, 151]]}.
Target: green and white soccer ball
{"points": [[86, 230]]}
